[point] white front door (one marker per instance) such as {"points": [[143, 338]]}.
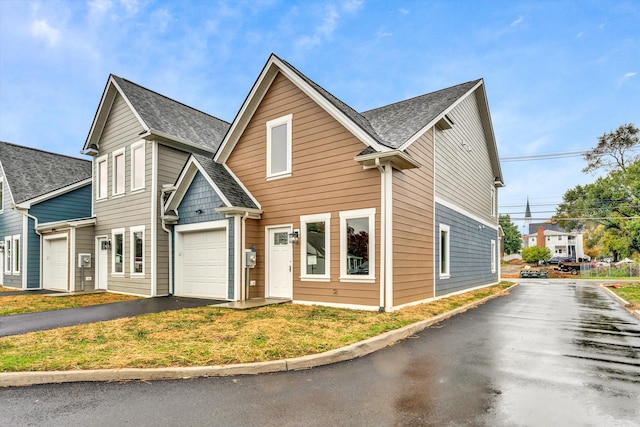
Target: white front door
{"points": [[55, 265], [102, 263], [280, 267]]}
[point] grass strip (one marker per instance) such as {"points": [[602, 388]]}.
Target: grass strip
{"points": [[212, 336], [34, 303], [630, 292]]}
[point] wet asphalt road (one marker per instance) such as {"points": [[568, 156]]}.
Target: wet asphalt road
{"points": [[548, 354], [23, 323]]}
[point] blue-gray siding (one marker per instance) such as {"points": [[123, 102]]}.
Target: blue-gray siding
{"points": [[470, 252], [10, 225], [201, 197], [72, 205]]}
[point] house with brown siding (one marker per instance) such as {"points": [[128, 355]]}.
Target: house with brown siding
{"points": [[308, 200]]}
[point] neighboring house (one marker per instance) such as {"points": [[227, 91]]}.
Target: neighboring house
{"points": [[45, 210], [559, 241], [139, 141], [375, 210]]}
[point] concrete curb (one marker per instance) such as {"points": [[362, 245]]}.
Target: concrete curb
{"points": [[359, 349], [621, 301]]}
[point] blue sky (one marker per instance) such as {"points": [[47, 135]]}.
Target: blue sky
{"points": [[558, 74]]}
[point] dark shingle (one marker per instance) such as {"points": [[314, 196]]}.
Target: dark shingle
{"points": [[173, 118], [397, 123], [32, 173], [225, 182]]}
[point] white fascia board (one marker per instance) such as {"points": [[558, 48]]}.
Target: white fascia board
{"points": [[433, 122], [74, 223], [104, 108], [464, 212], [179, 143], [241, 184], [268, 74], [182, 184], [27, 204], [249, 107]]}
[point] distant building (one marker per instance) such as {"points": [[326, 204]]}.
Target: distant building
{"points": [[559, 241]]}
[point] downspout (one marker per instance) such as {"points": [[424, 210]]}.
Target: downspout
{"points": [[25, 245], [244, 289], [382, 233], [163, 224]]}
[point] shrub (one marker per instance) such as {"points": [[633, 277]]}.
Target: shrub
{"points": [[535, 254]]}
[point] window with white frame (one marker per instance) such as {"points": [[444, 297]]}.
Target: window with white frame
{"points": [[16, 254], [7, 254], [117, 251], [445, 251], [101, 177], [315, 247], [137, 251], [493, 256], [279, 147], [137, 166], [357, 245], [118, 172]]}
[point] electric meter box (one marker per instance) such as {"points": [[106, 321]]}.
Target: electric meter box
{"points": [[250, 258], [84, 260]]}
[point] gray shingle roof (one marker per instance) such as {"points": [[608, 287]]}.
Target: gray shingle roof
{"points": [[174, 118], [32, 173], [226, 183], [397, 123], [394, 124]]}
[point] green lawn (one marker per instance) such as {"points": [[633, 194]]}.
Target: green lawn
{"points": [[213, 336], [629, 291]]}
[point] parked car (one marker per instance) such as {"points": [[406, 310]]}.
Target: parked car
{"points": [[559, 259]]}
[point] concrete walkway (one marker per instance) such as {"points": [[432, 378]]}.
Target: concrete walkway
{"points": [[23, 323]]}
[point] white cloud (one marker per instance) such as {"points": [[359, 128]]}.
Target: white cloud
{"points": [[517, 21], [41, 29], [352, 6], [323, 31], [629, 75], [404, 11]]}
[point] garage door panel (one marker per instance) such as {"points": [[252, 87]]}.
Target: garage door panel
{"points": [[202, 264], [55, 264]]}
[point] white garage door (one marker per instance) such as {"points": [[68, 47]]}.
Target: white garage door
{"points": [[55, 264], [201, 264]]}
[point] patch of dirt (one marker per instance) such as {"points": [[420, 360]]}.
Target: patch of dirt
{"points": [[511, 270]]}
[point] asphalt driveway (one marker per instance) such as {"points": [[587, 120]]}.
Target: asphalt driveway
{"points": [[23, 323]]}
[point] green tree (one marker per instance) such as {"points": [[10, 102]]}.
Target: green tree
{"points": [[608, 210], [512, 237], [535, 254], [612, 151]]}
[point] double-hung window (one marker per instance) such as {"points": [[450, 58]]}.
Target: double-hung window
{"points": [[7, 254], [117, 251], [494, 257], [279, 147], [12, 254], [357, 245], [16, 254], [315, 247], [445, 251], [137, 166], [137, 251], [118, 172], [101, 177]]}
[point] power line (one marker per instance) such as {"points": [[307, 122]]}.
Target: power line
{"points": [[546, 156]]}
